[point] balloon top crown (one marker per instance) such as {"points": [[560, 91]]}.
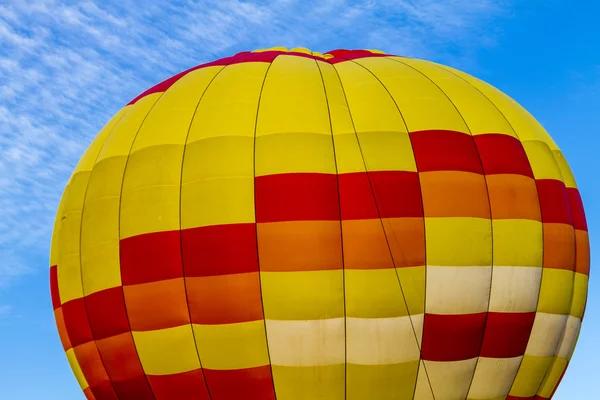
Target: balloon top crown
{"points": [[268, 55]]}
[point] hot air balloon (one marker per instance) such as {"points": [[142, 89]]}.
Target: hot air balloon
{"points": [[284, 224]]}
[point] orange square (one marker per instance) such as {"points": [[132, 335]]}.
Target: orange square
{"points": [[559, 246], [299, 246], [406, 237], [582, 252], [156, 305], [91, 363], [454, 194], [365, 245], [513, 197], [120, 357], [225, 299], [62, 329]]}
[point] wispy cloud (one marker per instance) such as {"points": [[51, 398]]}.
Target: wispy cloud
{"points": [[66, 68]]}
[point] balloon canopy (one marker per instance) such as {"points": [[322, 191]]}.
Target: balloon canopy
{"points": [[284, 224]]}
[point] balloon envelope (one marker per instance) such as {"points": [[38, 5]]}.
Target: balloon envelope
{"points": [[282, 224]]}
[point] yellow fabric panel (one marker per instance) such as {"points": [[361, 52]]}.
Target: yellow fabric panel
{"points": [[556, 291], [546, 334], [423, 386], [76, 369], [525, 126], [309, 383], [91, 154], [371, 106], [565, 169], [542, 160], [54, 245], [167, 351], [73, 202], [381, 341], [580, 290], [478, 112], [153, 166], [458, 241], [232, 346], [124, 133], [306, 343], [348, 153], [422, 104], [374, 294], [552, 377], [387, 151], [169, 120], [226, 156], [151, 209], [450, 380], [235, 92], [530, 376], [515, 289], [381, 382], [69, 264], [293, 99], [100, 264], [294, 152], [302, 295], [412, 280], [569, 338], [457, 290], [341, 120], [518, 242], [493, 377]]}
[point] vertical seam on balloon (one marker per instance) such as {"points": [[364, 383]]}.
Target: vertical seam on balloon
{"points": [[262, 303], [537, 192], [341, 230], [489, 209], [383, 225], [130, 332], [180, 222], [80, 258]]}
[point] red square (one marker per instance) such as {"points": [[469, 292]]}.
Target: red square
{"points": [[250, 384], [506, 334], [356, 197], [151, 257], [106, 310], [104, 391], [554, 202], [185, 386], [439, 150], [54, 287], [219, 250], [502, 154], [397, 193], [579, 221], [120, 357], [133, 389], [452, 337], [76, 322], [297, 197]]}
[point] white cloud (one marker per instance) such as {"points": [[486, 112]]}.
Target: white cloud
{"points": [[65, 69]]}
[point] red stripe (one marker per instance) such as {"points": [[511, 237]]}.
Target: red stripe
{"points": [[441, 150], [506, 334], [354, 55], [151, 257], [54, 287], [356, 197], [554, 202], [452, 337], [398, 193], [248, 384], [297, 197], [502, 154], [107, 314], [220, 250], [134, 388], [104, 391], [579, 220], [76, 322], [185, 386]]}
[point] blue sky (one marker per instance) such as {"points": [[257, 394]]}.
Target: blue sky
{"points": [[67, 67]]}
